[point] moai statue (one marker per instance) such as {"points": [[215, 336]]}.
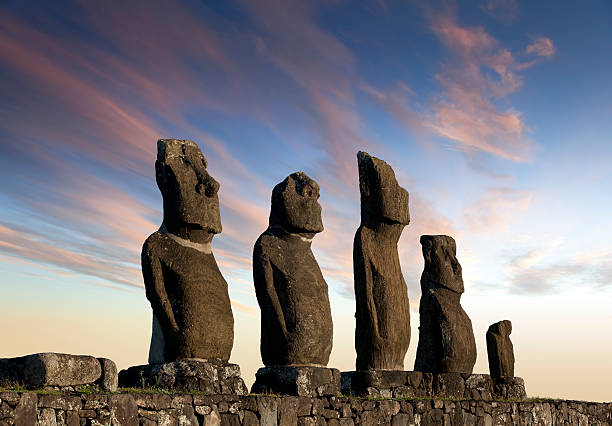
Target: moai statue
{"points": [[446, 340], [500, 349], [296, 322], [382, 331], [192, 315]]}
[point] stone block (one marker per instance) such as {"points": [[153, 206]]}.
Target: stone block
{"points": [[51, 369], [219, 377], [109, 379], [297, 380]]}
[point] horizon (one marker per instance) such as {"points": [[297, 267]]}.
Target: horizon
{"points": [[493, 114]]}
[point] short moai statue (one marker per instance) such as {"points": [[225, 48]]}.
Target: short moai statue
{"points": [[192, 314], [296, 322], [500, 349], [382, 330], [446, 339]]}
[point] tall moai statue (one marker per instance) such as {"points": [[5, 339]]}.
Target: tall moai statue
{"points": [[500, 349], [189, 296], [446, 340], [296, 322], [382, 331]]}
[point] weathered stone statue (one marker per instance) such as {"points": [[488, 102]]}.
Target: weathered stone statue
{"points": [[296, 322], [382, 331], [446, 340], [187, 292], [193, 325], [500, 349]]}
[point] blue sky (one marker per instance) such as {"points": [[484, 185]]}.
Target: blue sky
{"points": [[493, 113]]}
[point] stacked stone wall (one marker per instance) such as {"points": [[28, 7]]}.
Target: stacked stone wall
{"points": [[29, 408]]}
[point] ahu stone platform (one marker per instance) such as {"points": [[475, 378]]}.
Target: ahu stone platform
{"points": [[250, 410], [413, 384]]}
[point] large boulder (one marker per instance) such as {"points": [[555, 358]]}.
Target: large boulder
{"points": [[500, 349], [296, 322], [446, 339], [189, 296], [382, 331]]}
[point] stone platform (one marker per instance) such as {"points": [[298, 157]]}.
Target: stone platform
{"points": [[411, 384], [211, 376], [57, 371], [297, 380]]}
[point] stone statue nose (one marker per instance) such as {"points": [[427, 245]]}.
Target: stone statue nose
{"points": [[212, 187]]}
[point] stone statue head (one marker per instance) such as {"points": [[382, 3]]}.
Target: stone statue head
{"points": [[382, 199], [442, 269], [189, 192], [501, 328], [294, 205]]}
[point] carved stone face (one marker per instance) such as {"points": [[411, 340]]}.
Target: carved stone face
{"points": [[189, 192], [502, 328], [294, 205], [382, 199], [442, 269]]}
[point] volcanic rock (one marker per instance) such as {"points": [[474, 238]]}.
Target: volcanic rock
{"points": [[187, 292], [446, 340], [296, 322], [382, 331], [500, 349]]}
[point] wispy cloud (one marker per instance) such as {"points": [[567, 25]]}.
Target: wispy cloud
{"points": [[543, 270], [496, 208], [541, 46], [504, 10], [471, 108]]}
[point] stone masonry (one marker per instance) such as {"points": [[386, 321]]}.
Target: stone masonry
{"points": [[150, 409]]}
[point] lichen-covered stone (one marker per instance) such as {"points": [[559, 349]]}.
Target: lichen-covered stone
{"points": [[109, 379], [382, 330], [446, 339], [296, 322], [188, 294], [500, 350], [212, 376], [297, 380], [51, 369]]}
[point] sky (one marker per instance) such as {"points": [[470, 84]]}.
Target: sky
{"points": [[494, 114]]}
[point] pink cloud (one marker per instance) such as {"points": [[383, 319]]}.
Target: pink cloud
{"points": [[541, 46], [466, 110], [496, 208]]}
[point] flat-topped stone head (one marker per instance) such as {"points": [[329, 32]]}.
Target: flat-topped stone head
{"points": [[442, 269], [191, 203], [294, 205], [382, 199]]}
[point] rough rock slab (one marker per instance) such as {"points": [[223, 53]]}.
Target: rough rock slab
{"points": [[414, 384], [212, 376], [382, 315], [297, 380], [51, 369]]}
